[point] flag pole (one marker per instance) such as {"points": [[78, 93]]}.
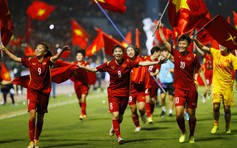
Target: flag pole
{"points": [[111, 21], [205, 25], [1, 43], [158, 23], [158, 84]]}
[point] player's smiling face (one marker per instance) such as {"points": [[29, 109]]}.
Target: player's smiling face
{"points": [[40, 50], [79, 57], [183, 46], [118, 53], [130, 52]]}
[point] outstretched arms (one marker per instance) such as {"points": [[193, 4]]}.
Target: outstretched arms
{"points": [[199, 44]]}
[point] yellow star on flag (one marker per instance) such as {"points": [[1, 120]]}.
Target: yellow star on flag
{"points": [[93, 49], [6, 75], [41, 12], [180, 4], [232, 38], [102, 1], [78, 32]]}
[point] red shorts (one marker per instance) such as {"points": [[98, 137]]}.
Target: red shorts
{"points": [[117, 104], [81, 89], [152, 92], [183, 97], [37, 101], [136, 97]]}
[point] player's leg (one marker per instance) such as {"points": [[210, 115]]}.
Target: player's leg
{"points": [[227, 118]]}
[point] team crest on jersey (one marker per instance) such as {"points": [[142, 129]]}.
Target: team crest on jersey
{"points": [[124, 65], [112, 67], [188, 58], [44, 63], [33, 63]]}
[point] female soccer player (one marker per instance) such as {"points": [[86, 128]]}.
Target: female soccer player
{"points": [[186, 64], [222, 83], [137, 88], [118, 91], [39, 87]]}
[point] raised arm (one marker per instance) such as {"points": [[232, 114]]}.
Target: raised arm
{"points": [[58, 55], [199, 44], [162, 36], [12, 56]]}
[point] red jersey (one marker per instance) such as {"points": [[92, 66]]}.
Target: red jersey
{"points": [[208, 61], [184, 70], [152, 68], [40, 77], [80, 76], [119, 76]]}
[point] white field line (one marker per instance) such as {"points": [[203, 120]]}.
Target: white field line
{"points": [[22, 112]]}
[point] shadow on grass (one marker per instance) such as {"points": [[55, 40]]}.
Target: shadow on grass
{"points": [[10, 141]]}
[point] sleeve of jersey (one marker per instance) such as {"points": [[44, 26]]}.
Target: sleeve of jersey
{"points": [[25, 62], [103, 67], [235, 63]]}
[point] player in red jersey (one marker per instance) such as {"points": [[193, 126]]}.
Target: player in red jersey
{"points": [[151, 92], [137, 88], [39, 87], [118, 91], [81, 85], [186, 64]]}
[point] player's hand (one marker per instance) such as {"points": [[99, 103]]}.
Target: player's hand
{"points": [[66, 47], [2, 46], [207, 89]]}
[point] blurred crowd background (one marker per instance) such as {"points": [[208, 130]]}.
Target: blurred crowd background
{"points": [[90, 16]]}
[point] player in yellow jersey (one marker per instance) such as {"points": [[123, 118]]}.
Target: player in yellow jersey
{"points": [[222, 82]]}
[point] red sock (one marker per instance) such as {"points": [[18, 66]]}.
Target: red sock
{"points": [[38, 129], [83, 108], [152, 107], [116, 127], [136, 121], [31, 126], [148, 110], [181, 124], [192, 125]]}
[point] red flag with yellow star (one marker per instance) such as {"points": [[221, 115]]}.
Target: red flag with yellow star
{"points": [[29, 52], [5, 73], [184, 15], [40, 10], [222, 32], [113, 5], [6, 24], [96, 45], [79, 35]]}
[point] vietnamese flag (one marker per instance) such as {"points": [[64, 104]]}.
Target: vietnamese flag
{"points": [[96, 45], [222, 32], [128, 38], [5, 73], [184, 15], [79, 35], [6, 24], [235, 19], [29, 52], [112, 5], [40, 10]]}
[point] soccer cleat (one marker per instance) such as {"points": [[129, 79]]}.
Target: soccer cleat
{"points": [[149, 120], [82, 116], [191, 139], [214, 129], [203, 99], [162, 114], [137, 129], [182, 138], [228, 131], [170, 115], [36, 143], [111, 131], [31, 145], [143, 119], [120, 140]]}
